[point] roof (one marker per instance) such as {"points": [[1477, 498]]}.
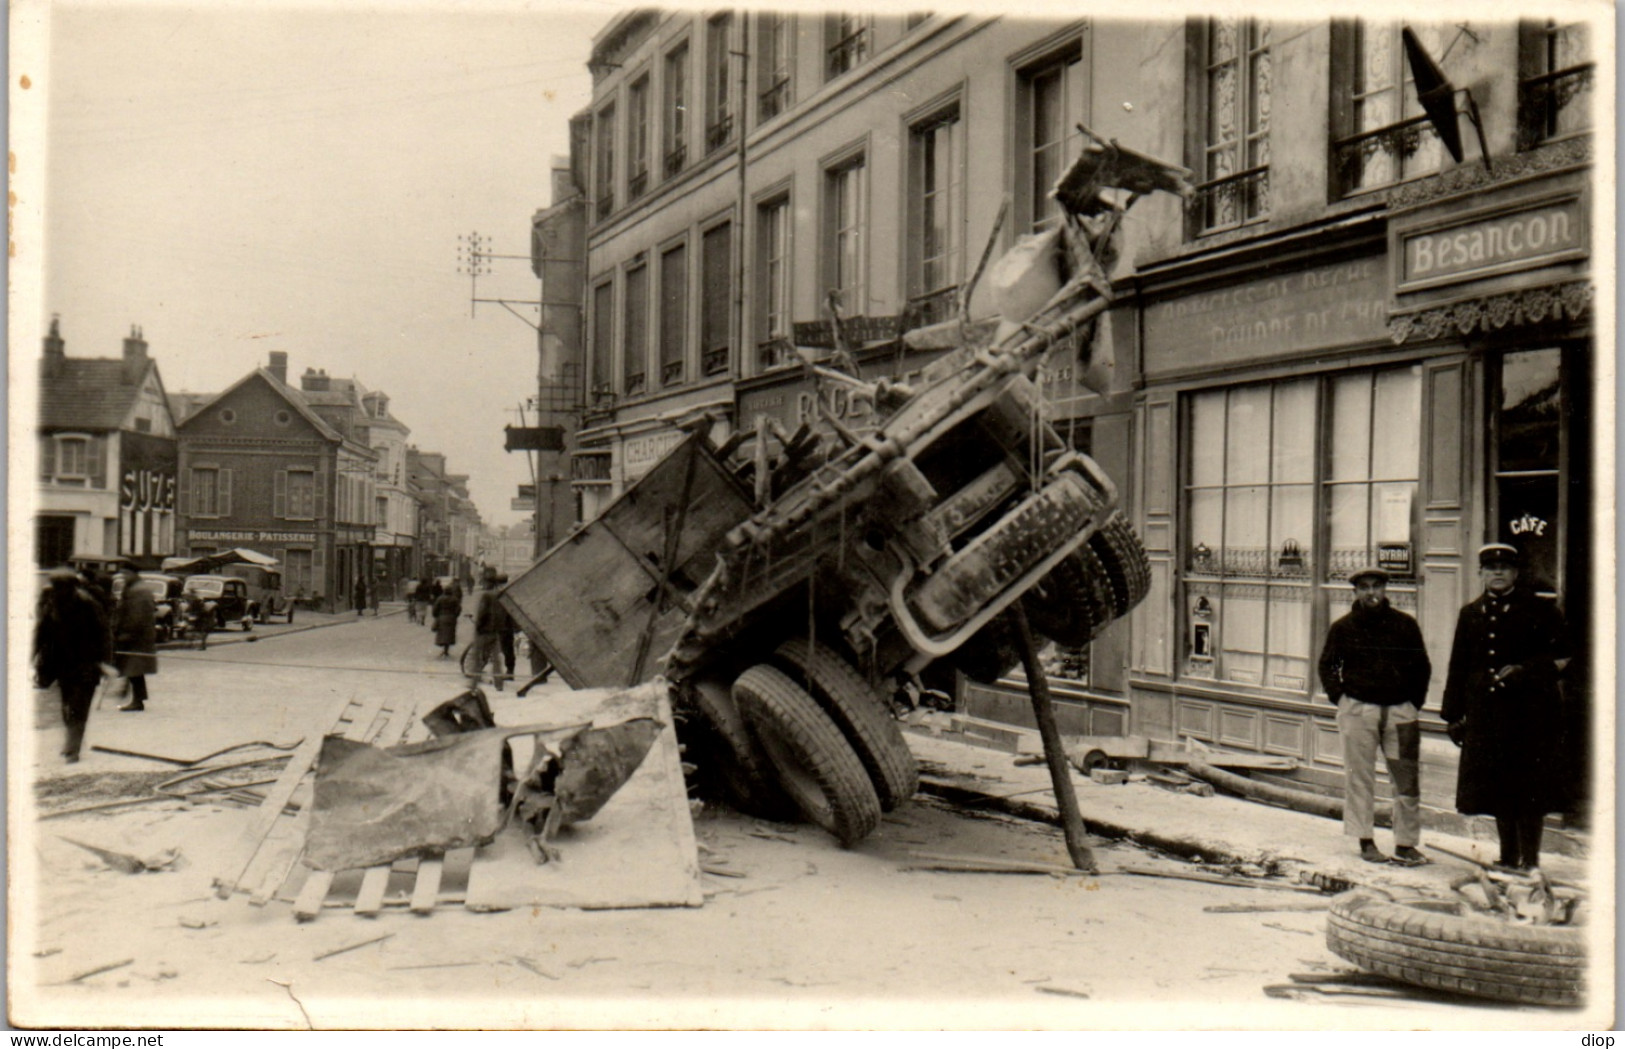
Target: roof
{"points": [[89, 393], [288, 393]]}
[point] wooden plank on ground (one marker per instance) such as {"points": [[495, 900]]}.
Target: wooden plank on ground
{"points": [[309, 903], [369, 900], [427, 888], [242, 854]]}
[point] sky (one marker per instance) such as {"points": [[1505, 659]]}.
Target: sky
{"points": [[237, 179]]}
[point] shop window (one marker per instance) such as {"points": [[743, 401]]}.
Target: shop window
{"points": [[773, 282], [1555, 79], [673, 314], [1258, 498], [53, 540], [844, 238], [776, 46], [1050, 105], [1234, 81], [297, 578], [1527, 461], [1380, 133], [635, 351], [936, 245], [675, 112]]}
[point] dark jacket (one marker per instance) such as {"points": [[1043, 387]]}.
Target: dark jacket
{"points": [[446, 609], [71, 639], [487, 613], [135, 631], [1513, 755], [1377, 656]]}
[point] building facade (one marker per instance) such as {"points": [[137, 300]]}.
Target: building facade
{"points": [[107, 457], [1348, 347], [394, 540]]}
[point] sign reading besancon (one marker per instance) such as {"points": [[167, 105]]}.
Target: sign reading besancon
{"points": [[1489, 244]]}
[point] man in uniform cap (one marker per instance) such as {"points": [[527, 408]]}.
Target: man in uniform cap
{"points": [[1376, 669], [1503, 708]]}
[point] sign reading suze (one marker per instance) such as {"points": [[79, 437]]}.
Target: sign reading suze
{"points": [[1498, 242]]}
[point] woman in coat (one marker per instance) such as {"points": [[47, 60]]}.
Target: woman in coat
{"points": [[447, 607], [135, 637]]}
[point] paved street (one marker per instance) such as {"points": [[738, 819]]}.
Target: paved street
{"points": [[801, 933]]}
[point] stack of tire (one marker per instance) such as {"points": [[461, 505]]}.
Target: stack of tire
{"points": [[803, 735], [1433, 945]]}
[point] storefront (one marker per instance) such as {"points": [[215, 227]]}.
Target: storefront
{"points": [[1396, 392]]}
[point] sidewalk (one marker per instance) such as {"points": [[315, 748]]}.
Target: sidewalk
{"points": [[1219, 829]]}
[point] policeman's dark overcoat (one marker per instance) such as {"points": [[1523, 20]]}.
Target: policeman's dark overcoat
{"points": [[1512, 759]]}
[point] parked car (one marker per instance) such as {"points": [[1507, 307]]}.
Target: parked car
{"points": [[265, 597], [166, 592], [227, 596]]}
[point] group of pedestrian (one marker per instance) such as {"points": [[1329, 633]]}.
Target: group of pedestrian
{"points": [[90, 628], [1502, 706]]}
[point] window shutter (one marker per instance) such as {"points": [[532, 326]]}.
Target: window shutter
{"points": [[320, 510], [47, 458], [318, 567], [193, 507], [96, 461], [183, 491], [225, 494], [279, 494]]}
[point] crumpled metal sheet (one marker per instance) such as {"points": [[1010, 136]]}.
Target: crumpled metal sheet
{"points": [[594, 765], [373, 806]]}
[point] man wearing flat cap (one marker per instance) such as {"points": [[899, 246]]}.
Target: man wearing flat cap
{"points": [[1503, 707], [1375, 668]]}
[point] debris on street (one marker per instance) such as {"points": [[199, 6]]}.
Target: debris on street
{"points": [[128, 863]]}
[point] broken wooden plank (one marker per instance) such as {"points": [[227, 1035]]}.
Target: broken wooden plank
{"points": [[1212, 879], [88, 973], [427, 888], [309, 902], [370, 898], [352, 947], [989, 864], [1264, 908]]}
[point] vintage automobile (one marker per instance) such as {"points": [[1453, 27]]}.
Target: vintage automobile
{"points": [[265, 596], [226, 597], [166, 596]]}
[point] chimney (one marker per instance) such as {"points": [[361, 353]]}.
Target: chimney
{"points": [[279, 366], [135, 356], [314, 382], [54, 348]]}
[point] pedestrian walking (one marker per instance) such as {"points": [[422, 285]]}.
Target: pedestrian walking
{"points": [[1503, 707], [135, 636], [359, 598], [73, 649], [487, 626], [1375, 668], [505, 634], [447, 607]]}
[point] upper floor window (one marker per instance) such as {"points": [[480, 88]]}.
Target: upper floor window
{"points": [[936, 235], [844, 225], [1051, 104], [293, 495], [673, 314], [1235, 79], [74, 460], [635, 349], [719, 117], [1381, 135], [604, 162], [637, 139], [603, 332], [775, 48], [674, 117], [846, 42], [773, 280], [1555, 74], [716, 297], [211, 492]]}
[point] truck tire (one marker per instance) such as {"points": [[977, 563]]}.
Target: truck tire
{"points": [[1470, 955], [861, 713], [1123, 557], [743, 771], [813, 761], [1074, 602], [991, 653], [992, 561]]}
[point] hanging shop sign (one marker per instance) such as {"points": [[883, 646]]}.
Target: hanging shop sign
{"points": [[1316, 308], [1485, 244]]}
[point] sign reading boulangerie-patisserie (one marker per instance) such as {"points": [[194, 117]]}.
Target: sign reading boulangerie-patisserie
{"points": [[1323, 306], [1496, 243]]}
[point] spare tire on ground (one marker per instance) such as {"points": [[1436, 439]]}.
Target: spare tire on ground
{"points": [[1466, 954], [814, 762]]}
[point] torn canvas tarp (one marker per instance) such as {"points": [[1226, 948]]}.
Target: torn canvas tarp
{"points": [[372, 806]]}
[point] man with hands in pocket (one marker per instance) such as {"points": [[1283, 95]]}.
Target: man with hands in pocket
{"points": [[1375, 668], [1503, 708]]}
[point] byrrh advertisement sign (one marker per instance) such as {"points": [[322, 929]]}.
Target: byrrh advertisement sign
{"points": [[1485, 245]]}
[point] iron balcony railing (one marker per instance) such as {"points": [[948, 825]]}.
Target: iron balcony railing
{"points": [[675, 159], [933, 307], [714, 361], [1400, 140], [1543, 99], [671, 372], [719, 134], [776, 99], [1232, 200], [846, 53], [637, 184]]}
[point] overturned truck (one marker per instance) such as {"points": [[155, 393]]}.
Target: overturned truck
{"points": [[789, 592]]}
